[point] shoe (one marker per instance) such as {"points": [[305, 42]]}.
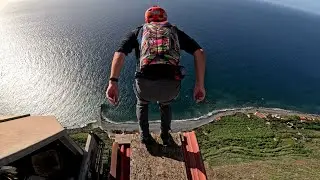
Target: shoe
{"points": [[147, 139], [167, 139]]}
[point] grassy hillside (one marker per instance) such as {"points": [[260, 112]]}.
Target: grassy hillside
{"points": [[239, 147]]}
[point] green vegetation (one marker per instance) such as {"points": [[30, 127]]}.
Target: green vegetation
{"points": [[277, 149], [80, 138], [293, 118]]}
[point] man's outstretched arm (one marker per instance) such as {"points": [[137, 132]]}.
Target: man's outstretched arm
{"points": [[112, 92], [129, 43], [117, 64], [200, 66], [126, 47], [192, 47]]}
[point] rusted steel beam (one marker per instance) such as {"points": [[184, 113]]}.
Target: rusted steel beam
{"points": [[126, 161], [193, 161], [114, 159], [186, 155], [193, 164], [122, 155], [199, 163], [120, 162]]}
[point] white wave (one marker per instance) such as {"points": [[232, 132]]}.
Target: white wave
{"points": [[211, 114], [206, 116]]}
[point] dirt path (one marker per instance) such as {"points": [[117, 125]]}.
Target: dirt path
{"points": [[157, 162]]}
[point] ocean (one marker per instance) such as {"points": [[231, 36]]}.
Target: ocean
{"points": [[55, 57]]}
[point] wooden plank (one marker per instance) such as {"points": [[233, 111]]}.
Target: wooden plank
{"points": [[25, 135], [158, 162]]}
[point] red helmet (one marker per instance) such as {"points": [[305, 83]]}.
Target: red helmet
{"points": [[155, 14]]}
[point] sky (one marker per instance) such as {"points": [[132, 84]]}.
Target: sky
{"points": [[312, 6], [3, 3]]}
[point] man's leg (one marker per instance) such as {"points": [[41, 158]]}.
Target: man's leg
{"points": [[142, 116], [166, 117], [162, 91], [142, 109]]}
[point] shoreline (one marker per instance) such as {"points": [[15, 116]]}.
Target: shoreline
{"points": [[190, 124]]}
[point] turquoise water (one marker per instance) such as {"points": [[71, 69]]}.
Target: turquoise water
{"points": [[55, 57]]}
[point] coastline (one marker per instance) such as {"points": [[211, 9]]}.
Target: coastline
{"points": [[190, 124]]}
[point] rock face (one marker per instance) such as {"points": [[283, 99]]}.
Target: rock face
{"points": [[157, 162]]}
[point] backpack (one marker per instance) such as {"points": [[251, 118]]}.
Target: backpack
{"points": [[159, 44]]}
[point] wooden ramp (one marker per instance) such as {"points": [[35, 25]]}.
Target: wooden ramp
{"points": [[135, 161]]}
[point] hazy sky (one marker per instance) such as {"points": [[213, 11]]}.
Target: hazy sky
{"points": [[2, 3], [312, 6], [306, 5]]}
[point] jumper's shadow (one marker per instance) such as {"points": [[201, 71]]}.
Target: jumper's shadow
{"points": [[173, 151]]}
